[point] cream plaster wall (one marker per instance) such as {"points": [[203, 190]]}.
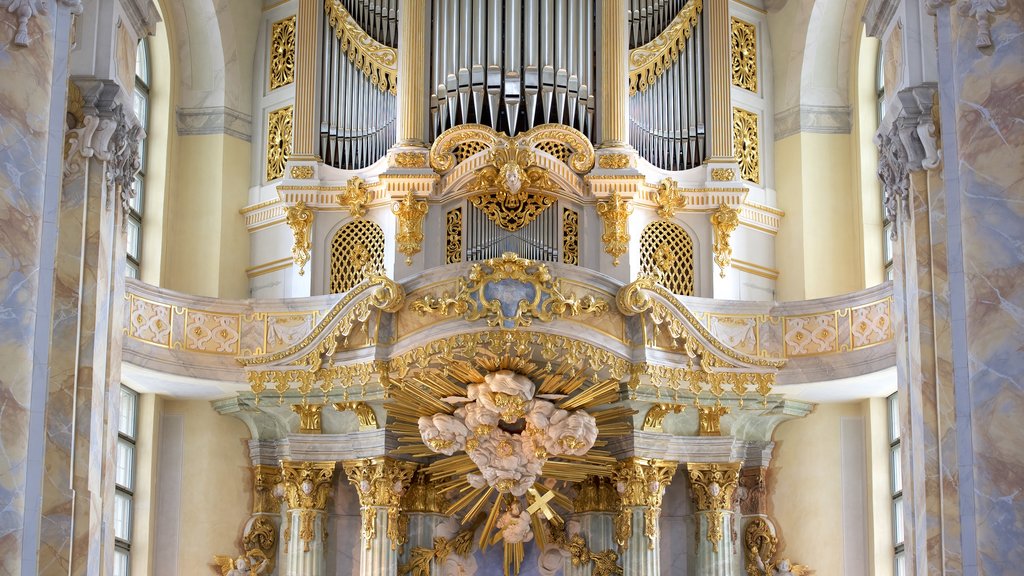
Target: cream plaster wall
{"points": [[213, 488], [820, 231], [207, 246], [864, 177], [822, 489], [161, 138]]}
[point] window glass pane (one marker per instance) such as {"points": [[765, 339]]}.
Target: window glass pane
{"points": [[900, 568], [126, 420], [897, 521], [894, 418], [142, 62], [120, 562], [897, 469], [133, 238], [136, 202], [125, 464], [122, 516], [141, 105], [131, 270]]}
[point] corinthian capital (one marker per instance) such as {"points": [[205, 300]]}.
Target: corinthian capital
{"points": [[641, 483], [713, 486]]}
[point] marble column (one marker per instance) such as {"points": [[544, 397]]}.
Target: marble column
{"points": [[412, 73], [613, 102], [713, 486], [641, 484], [381, 482], [594, 511], [307, 486]]}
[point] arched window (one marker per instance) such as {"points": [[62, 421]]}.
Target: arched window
{"points": [[886, 224], [134, 216], [667, 248], [356, 248]]}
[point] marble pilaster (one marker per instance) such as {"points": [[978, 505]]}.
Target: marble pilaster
{"points": [[614, 65], [307, 486], [594, 510], [713, 486], [381, 482]]}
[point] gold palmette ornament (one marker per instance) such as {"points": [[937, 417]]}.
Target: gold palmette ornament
{"points": [[410, 213], [615, 215], [300, 220], [725, 220]]}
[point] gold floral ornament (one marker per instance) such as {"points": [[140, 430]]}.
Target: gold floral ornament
{"points": [[300, 220], [567, 537], [420, 559], [507, 186], [279, 141], [615, 215], [306, 487], [524, 291], [713, 487], [282, 53], [648, 62], [355, 197], [744, 54], [378, 62], [670, 198], [725, 220], [745, 144], [409, 237]]}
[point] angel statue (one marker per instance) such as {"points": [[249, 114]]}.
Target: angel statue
{"points": [[253, 563]]}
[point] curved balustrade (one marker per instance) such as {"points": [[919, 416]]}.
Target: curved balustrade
{"points": [[821, 339]]}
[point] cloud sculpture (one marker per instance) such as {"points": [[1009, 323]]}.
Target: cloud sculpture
{"points": [[508, 460]]}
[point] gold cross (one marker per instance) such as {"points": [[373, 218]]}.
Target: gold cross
{"points": [[541, 503]]}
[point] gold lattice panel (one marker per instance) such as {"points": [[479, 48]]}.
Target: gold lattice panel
{"points": [[556, 149], [453, 242], [666, 247], [356, 247], [570, 237], [468, 149]]}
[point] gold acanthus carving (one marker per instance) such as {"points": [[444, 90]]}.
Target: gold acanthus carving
{"points": [[725, 220], [309, 417], [302, 172], [596, 494], [656, 415], [570, 237], [713, 486], [509, 188], [307, 485], [300, 220], [355, 197], [670, 198], [364, 413], [282, 53], [381, 482], [411, 159], [409, 237], [745, 144], [453, 236], [279, 141], [420, 558], [613, 161], [723, 174], [378, 62], [265, 478], [744, 55], [648, 62], [760, 543], [604, 563], [549, 301], [641, 483], [423, 496], [478, 137], [614, 214], [709, 420]]}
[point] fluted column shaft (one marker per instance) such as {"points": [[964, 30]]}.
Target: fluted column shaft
{"points": [[306, 97], [307, 486], [613, 100], [713, 486], [412, 73], [719, 80]]}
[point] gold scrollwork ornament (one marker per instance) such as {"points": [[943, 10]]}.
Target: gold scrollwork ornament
{"points": [[744, 54], [670, 198], [409, 237], [300, 220], [614, 214], [282, 53], [355, 197], [725, 220]]}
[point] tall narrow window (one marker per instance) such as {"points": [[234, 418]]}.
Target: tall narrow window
{"points": [[124, 479], [887, 225], [134, 216], [896, 487]]}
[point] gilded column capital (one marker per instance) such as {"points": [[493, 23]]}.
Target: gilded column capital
{"points": [[307, 486], [596, 494], [422, 497], [640, 483], [381, 482], [264, 480], [309, 417], [713, 486]]}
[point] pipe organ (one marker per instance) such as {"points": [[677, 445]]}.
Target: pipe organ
{"points": [[538, 240], [666, 104], [513, 64], [357, 103]]}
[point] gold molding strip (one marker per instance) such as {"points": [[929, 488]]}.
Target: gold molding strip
{"points": [[648, 62]]}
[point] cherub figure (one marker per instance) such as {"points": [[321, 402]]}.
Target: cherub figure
{"points": [[252, 563]]}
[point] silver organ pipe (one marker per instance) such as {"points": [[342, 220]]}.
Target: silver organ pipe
{"points": [[538, 240], [512, 64], [357, 119], [667, 119]]}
